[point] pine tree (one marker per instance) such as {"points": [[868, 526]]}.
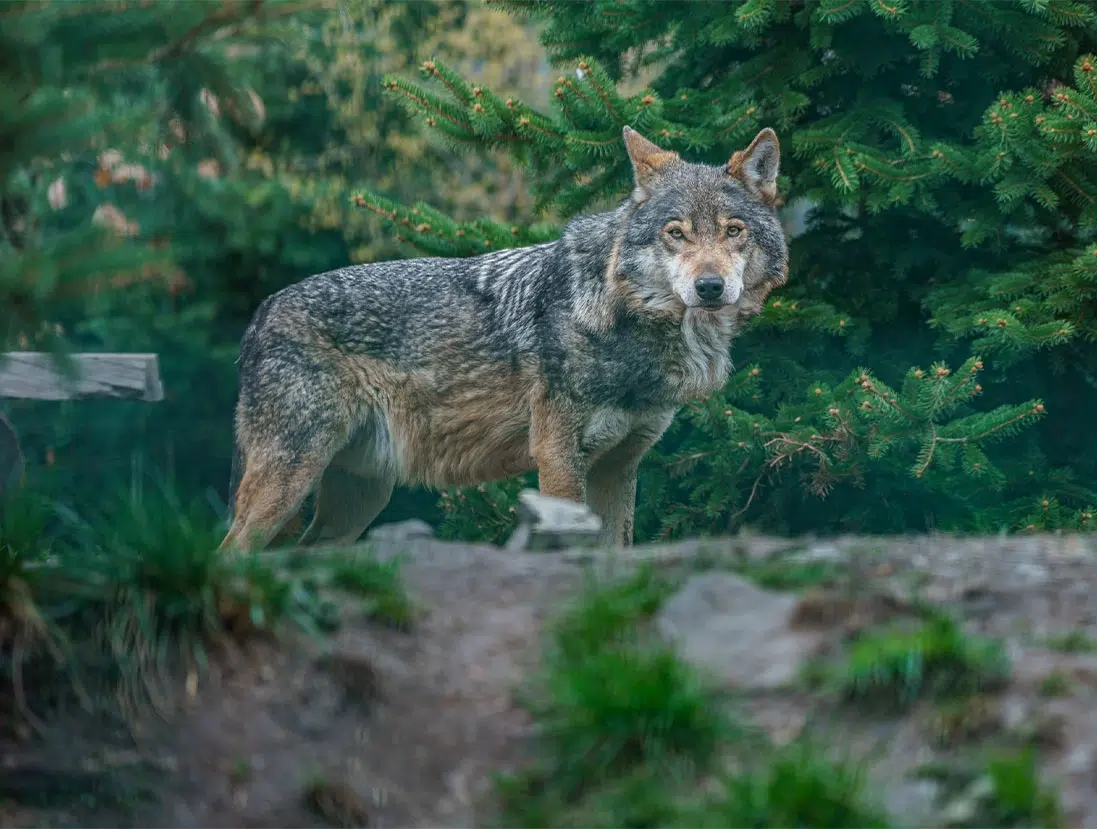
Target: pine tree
{"points": [[930, 362], [121, 125]]}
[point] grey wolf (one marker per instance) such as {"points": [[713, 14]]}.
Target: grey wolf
{"points": [[570, 358]]}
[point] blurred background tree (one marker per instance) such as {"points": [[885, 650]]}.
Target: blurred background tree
{"points": [[938, 166], [218, 176]]}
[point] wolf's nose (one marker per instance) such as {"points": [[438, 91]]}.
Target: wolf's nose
{"points": [[709, 287]]}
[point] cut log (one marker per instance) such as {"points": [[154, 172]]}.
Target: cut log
{"points": [[32, 375]]}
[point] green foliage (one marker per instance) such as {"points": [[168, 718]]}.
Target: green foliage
{"points": [[486, 512], [613, 703], [779, 574], [377, 585], [28, 627], [1055, 684], [1018, 798], [136, 595], [937, 162], [1074, 641], [608, 614], [798, 787], [623, 708], [613, 711], [936, 659], [627, 731], [95, 98]]}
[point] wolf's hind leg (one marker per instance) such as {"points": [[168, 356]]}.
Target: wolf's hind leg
{"points": [[270, 494], [346, 504]]}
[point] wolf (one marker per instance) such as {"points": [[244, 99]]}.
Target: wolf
{"points": [[570, 358]]}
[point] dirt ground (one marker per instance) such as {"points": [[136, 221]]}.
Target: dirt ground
{"points": [[396, 728]]}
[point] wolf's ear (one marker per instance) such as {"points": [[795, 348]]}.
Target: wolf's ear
{"points": [[648, 162], [757, 166]]}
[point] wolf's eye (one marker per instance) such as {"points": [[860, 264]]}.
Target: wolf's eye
{"points": [[734, 230], [676, 233]]}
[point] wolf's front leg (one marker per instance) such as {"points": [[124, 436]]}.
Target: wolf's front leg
{"points": [[611, 487], [611, 482], [611, 494]]}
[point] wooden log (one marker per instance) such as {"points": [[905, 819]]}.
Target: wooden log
{"points": [[32, 375]]}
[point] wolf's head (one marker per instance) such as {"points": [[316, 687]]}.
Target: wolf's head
{"points": [[703, 237]]}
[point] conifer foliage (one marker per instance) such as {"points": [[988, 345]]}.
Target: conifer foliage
{"points": [[930, 362], [96, 100]]}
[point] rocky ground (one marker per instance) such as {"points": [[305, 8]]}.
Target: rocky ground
{"points": [[405, 728]]}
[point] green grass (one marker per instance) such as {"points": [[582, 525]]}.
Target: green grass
{"points": [[166, 595], [620, 716], [628, 731], [1055, 684], [620, 709], [1018, 798], [778, 574], [608, 614], [614, 702], [141, 593], [377, 584], [1074, 641], [28, 625], [797, 787], [936, 659]]}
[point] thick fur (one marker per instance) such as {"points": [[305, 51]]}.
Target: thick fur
{"points": [[570, 357]]}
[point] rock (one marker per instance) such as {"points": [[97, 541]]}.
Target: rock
{"points": [[965, 808], [401, 531], [823, 553], [740, 633], [549, 523]]}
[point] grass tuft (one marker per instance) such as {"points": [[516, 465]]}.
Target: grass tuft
{"points": [[142, 593], [378, 585], [1055, 684], [936, 659], [1018, 797], [616, 713], [629, 732], [165, 595], [798, 787], [625, 708], [784, 575], [29, 626], [1074, 641], [608, 615]]}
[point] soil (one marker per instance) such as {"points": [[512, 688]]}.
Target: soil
{"points": [[392, 728]]}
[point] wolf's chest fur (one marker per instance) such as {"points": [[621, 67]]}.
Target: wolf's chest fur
{"points": [[641, 365]]}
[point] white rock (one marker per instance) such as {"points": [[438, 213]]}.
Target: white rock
{"points": [[737, 632], [401, 531], [549, 523]]}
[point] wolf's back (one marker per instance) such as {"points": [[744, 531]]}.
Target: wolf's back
{"points": [[408, 313]]}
